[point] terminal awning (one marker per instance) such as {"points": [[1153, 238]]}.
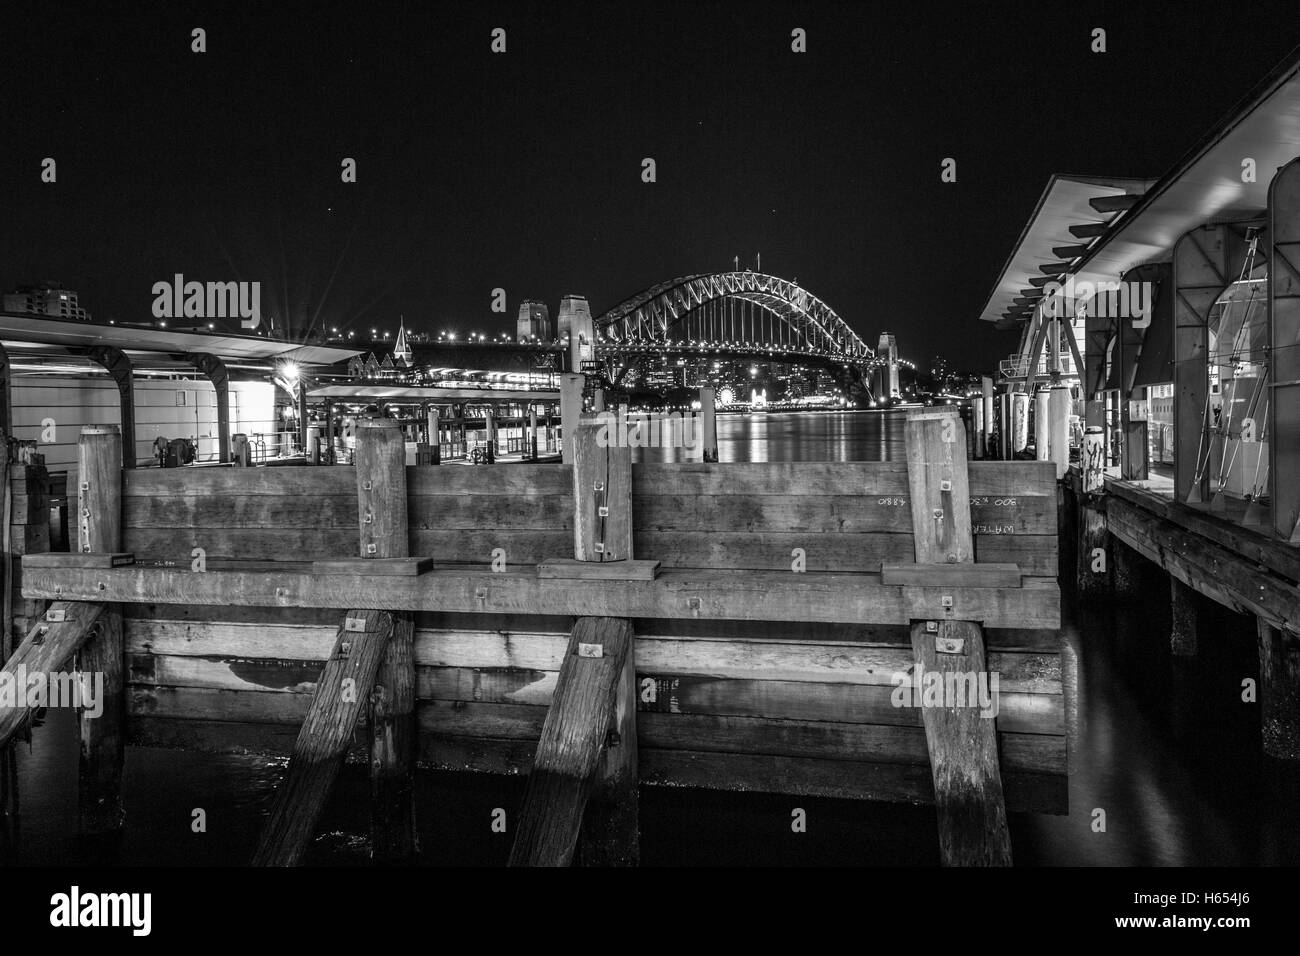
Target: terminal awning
{"points": [[414, 393], [1066, 202], [38, 329]]}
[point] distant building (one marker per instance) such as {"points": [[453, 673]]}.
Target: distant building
{"points": [[534, 322], [46, 299]]}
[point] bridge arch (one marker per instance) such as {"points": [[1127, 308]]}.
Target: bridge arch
{"points": [[684, 303]]}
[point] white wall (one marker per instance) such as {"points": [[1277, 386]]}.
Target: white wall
{"points": [[73, 402]]}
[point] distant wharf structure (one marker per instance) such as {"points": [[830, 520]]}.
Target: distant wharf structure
{"points": [[1159, 368]]}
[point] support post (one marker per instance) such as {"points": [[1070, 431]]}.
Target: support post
{"points": [[530, 447], [1279, 691], [709, 424], [1042, 426], [1059, 428], [961, 741], [582, 792], [381, 499], [99, 529], [977, 422], [1184, 616], [433, 435], [118, 365], [215, 370], [370, 668], [570, 411]]}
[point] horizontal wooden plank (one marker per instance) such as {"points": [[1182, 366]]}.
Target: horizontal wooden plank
{"points": [[841, 779], [240, 543], [1278, 556], [712, 733], [1036, 554], [995, 478], [235, 482], [815, 514], [723, 595], [661, 657], [762, 773], [955, 575], [833, 741], [1207, 566], [386, 567], [799, 700], [570, 568], [89, 559], [217, 510], [848, 703]]}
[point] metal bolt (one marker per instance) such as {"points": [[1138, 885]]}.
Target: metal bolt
{"points": [[101, 586], [371, 549], [931, 626], [368, 518], [938, 514], [613, 738], [281, 592], [952, 558], [602, 512], [946, 600], [945, 485], [367, 486]]}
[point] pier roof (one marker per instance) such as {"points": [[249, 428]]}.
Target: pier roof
{"points": [[41, 330], [1205, 185], [415, 393]]}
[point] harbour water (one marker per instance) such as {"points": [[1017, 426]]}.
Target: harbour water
{"points": [[1164, 753]]}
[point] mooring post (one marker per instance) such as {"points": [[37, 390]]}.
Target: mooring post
{"points": [[960, 737], [1042, 425], [99, 529], [582, 792], [977, 422], [381, 499], [1059, 404], [434, 436], [1184, 616], [1279, 690]]}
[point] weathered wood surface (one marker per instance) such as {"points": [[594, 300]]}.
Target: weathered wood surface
{"points": [[1184, 617], [395, 567], [723, 549], [703, 594], [46, 649], [99, 532], [79, 560], [191, 648], [963, 748], [626, 570], [960, 734], [572, 739], [382, 507], [342, 695], [1034, 713], [957, 575], [1279, 691], [1277, 556], [1207, 566], [602, 496]]}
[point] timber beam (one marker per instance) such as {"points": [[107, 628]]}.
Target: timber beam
{"points": [[706, 594]]}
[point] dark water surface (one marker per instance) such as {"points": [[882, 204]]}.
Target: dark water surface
{"points": [[1166, 748]]}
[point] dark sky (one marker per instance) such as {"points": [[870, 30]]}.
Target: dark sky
{"points": [[522, 170]]}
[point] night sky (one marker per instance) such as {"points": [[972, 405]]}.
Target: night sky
{"points": [[523, 170]]}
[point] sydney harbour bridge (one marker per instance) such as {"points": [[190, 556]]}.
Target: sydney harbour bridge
{"points": [[722, 315]]}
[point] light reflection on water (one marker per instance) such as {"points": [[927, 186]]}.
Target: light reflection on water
{"points": [[1166, 748]]}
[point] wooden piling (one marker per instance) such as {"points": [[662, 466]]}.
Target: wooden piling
{"points": [[99, 529], [48, 648], [1184, 615], [381, 499], [961, 741], [1279, 691], [342, 692], [573, 736]]}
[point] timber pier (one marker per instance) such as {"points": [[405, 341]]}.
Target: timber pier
{"points": [[597, 625]]}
